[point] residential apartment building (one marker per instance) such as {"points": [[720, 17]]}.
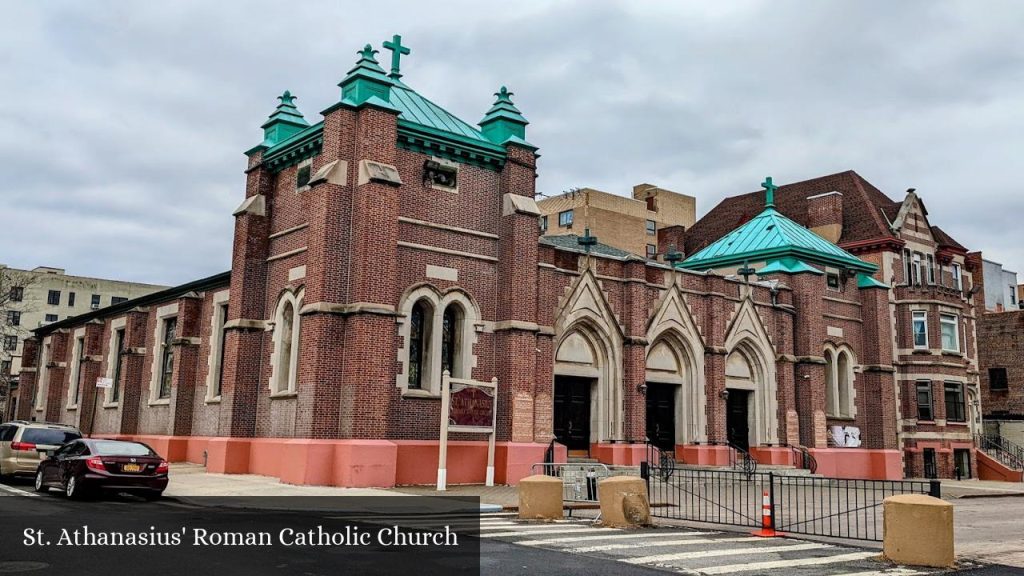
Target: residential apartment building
{"points": [[1000, 287], [632, 223], [44, 295]]}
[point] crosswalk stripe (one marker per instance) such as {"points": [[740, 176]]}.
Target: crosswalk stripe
{"points": [[687, 542], [537, 527], [571, 539], [711, 553], [729, 569], [530, 533], [891, 572]]}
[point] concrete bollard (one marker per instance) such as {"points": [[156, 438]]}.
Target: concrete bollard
{"points": [[540, 498], [918, 530], [624, 502]]}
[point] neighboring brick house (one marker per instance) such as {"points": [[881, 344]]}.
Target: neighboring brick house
{"points": [[930, 321], [392, 241]]}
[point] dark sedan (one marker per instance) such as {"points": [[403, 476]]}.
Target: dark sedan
{"points": [[86, 466]]}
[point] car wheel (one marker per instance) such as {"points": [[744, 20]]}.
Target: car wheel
{"points": [[40, 486], [72, 489]]}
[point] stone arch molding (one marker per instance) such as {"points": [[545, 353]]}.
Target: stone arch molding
{"points": [[675, 355], [438, 300], [589, 343], [748, 337]]}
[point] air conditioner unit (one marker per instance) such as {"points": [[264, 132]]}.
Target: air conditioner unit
{"points": [[94, 306]]}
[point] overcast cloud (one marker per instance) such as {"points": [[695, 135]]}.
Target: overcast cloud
{"points": [[122, 124]]}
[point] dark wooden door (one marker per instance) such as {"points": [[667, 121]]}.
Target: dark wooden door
{"points": [[661, 416], [572, 412], [736, 419]]}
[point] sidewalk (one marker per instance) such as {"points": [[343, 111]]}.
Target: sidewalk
{"points": [[981, 489], [192, 480]]}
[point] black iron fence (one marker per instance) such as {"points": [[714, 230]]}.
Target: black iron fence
{"points": [[832, 507]]}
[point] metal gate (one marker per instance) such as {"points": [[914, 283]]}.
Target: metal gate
{"points": [[832, 507]]}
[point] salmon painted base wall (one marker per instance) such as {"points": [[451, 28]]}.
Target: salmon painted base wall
{"points": [[699, 455], [992, 469], [859, 463], [351, 463]]}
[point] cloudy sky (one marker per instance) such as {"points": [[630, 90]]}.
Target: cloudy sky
{"points": [[122, 124]]}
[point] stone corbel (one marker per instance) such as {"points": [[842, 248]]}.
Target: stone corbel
{"points": [[255, 205], [518, 204], [335, 172], [245, 324]]}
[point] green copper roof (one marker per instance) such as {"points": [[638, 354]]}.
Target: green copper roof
{"points": [[504, 122], [423, 126], [285, 122], [869, 281], [787, 265], [770, 235]]}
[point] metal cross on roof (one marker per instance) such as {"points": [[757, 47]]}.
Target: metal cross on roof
{"points": [[673, 256], [747, 271], [587, 241], [395, 45], [769, 191]]}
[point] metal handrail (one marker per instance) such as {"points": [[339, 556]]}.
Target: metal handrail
{"points": [[741, 459], [803, 458], [1001, 449]]}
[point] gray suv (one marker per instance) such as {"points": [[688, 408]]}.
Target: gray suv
{"points": [[24, 444]]}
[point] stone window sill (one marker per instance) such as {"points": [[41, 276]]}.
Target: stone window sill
{"points": [[160, 402], [214, 400], [284, 394], [415, 393], [111, 404], [951, 353], [921, 351], [71, 407], [841, 418]]}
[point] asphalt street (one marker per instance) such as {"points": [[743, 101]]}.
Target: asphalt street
{"points": [[505, 547]]}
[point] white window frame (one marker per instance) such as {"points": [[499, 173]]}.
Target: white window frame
{"points": [[74, 374], [112, 359], [568, 221], [278, 387], [215, 356], [841, 391], [163, 314], [923, 316], [954, 320]]}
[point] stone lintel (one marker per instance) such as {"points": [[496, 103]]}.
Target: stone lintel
{"points": [[348, 309]]}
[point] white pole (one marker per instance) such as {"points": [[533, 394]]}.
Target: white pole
{"points": [[494, 430], [442, 453]]}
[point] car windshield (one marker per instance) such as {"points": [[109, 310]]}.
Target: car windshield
{"points": [[108, 448], [49, 436]]}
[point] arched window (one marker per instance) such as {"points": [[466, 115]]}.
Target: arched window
{"points": [[839, 392], [844, 373], [420, 321], [437, 333], [286, 345], [451, 326]]}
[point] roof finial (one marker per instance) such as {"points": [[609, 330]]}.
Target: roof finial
{"points": [[367, 54], [769, 192], [397, 50], [586, 241], [287, 99]]}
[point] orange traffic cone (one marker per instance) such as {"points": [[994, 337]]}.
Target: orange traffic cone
{"points": [[766, 531]]}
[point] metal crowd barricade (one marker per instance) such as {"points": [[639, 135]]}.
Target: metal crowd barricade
{"points": [[579, 480]]}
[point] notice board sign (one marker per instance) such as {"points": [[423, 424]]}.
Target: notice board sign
{"points": [[467, 406]]}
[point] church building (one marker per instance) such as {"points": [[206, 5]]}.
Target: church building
{"points": [[389, 241]]}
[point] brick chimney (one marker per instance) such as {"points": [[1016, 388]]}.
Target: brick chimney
{"points": [[825, 215], [671, 237]]}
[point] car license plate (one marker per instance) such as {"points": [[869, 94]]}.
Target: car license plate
{"points": [[131, 467]]}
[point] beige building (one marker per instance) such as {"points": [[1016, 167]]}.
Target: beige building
{"points": [[629, 224], [32, 298]]}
